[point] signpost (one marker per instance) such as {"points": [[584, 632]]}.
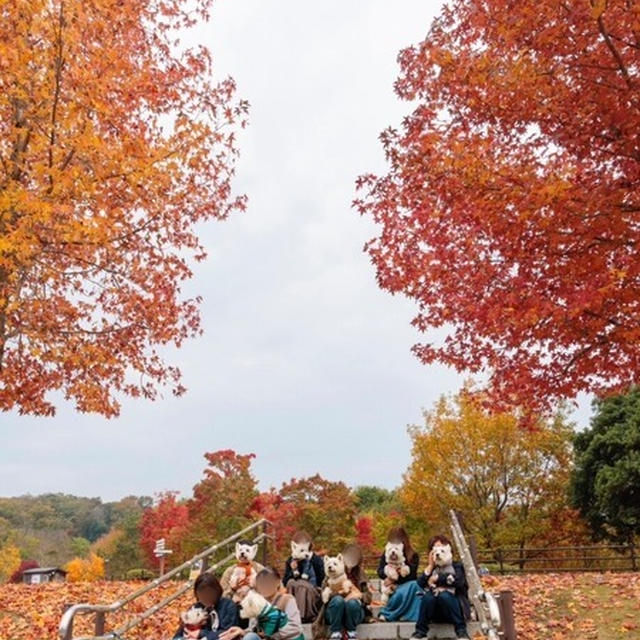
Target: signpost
{"points": [[160, 552]]}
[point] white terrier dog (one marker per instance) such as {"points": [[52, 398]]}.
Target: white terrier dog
{"points": [[337, 582], [243, 576], [396, 566]]}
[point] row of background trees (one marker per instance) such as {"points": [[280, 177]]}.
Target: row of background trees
{"points": [[543, 486]]}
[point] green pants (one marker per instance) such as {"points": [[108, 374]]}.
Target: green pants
{"points": [[344, 614]]}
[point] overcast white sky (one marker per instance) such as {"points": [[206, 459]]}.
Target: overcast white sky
{"points": [[304, 361]]}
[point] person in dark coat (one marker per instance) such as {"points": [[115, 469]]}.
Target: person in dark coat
{"points": [[304, 575], [222, 613], [446, 596]]}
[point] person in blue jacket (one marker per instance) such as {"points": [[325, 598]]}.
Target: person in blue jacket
{"points": [[222, 612]]}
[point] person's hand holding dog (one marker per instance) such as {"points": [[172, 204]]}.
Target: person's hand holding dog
{"points": [[431, 563], [231, 633], [429, 570]]}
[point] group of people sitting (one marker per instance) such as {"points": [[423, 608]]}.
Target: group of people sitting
{"points": [[251, 602]]}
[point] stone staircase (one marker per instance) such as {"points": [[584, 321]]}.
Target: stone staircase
{"points": [[398, 630], [401, 631], [221, 555]]}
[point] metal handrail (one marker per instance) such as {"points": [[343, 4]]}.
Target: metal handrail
{"points": [[485, 603], [65, 629]]}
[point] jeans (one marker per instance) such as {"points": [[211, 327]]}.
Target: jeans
{"points": [[447, 605], [343, 614]]}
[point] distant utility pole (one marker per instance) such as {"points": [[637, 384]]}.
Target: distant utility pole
{"points": [[160, 552]]}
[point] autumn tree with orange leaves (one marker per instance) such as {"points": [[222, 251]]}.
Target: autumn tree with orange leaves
{"points": [[511, 204], [85, 569], [114, 142]]}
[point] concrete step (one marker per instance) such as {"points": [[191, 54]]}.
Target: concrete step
{"points": [[401, 630]]}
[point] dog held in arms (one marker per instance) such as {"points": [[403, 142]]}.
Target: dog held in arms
{"points": [[301, 564], [396, 566], [243, 574], [336, 581], [193, 620], [266, 618], [443, 565]]}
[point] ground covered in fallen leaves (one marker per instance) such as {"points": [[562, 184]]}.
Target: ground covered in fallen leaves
{"points": [[589, 606]]}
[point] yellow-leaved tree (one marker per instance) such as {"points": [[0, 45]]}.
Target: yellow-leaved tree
{"points": [[9, 561], [85, 569], [509, 483]]}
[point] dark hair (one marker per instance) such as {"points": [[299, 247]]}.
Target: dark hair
{"points": [[245, 541], [208, 580], [442, 539], [400, 535], [302, 536], [271, 572]]}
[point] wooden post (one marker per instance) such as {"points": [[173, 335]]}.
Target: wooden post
{"points": [[99, 623], [505, 602], [634, 558], [161, 566]]}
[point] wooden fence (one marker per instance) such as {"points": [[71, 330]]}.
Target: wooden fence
{"points": [[600, 557], [597, 557]]}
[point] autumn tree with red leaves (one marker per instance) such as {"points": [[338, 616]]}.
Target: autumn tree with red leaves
{"points": [[221, 501], [510, 208], [283, 515], [364, 533], [16, 576], [114, 143], [167, 518]]}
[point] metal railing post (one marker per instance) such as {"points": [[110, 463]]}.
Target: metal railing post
{"points": [[65, 628], [264, 544]]}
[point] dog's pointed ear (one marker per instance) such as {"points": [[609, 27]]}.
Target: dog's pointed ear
{"points": [[254, 550], [294, 546], [340, 558], [238, 545], [326, 560]]}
